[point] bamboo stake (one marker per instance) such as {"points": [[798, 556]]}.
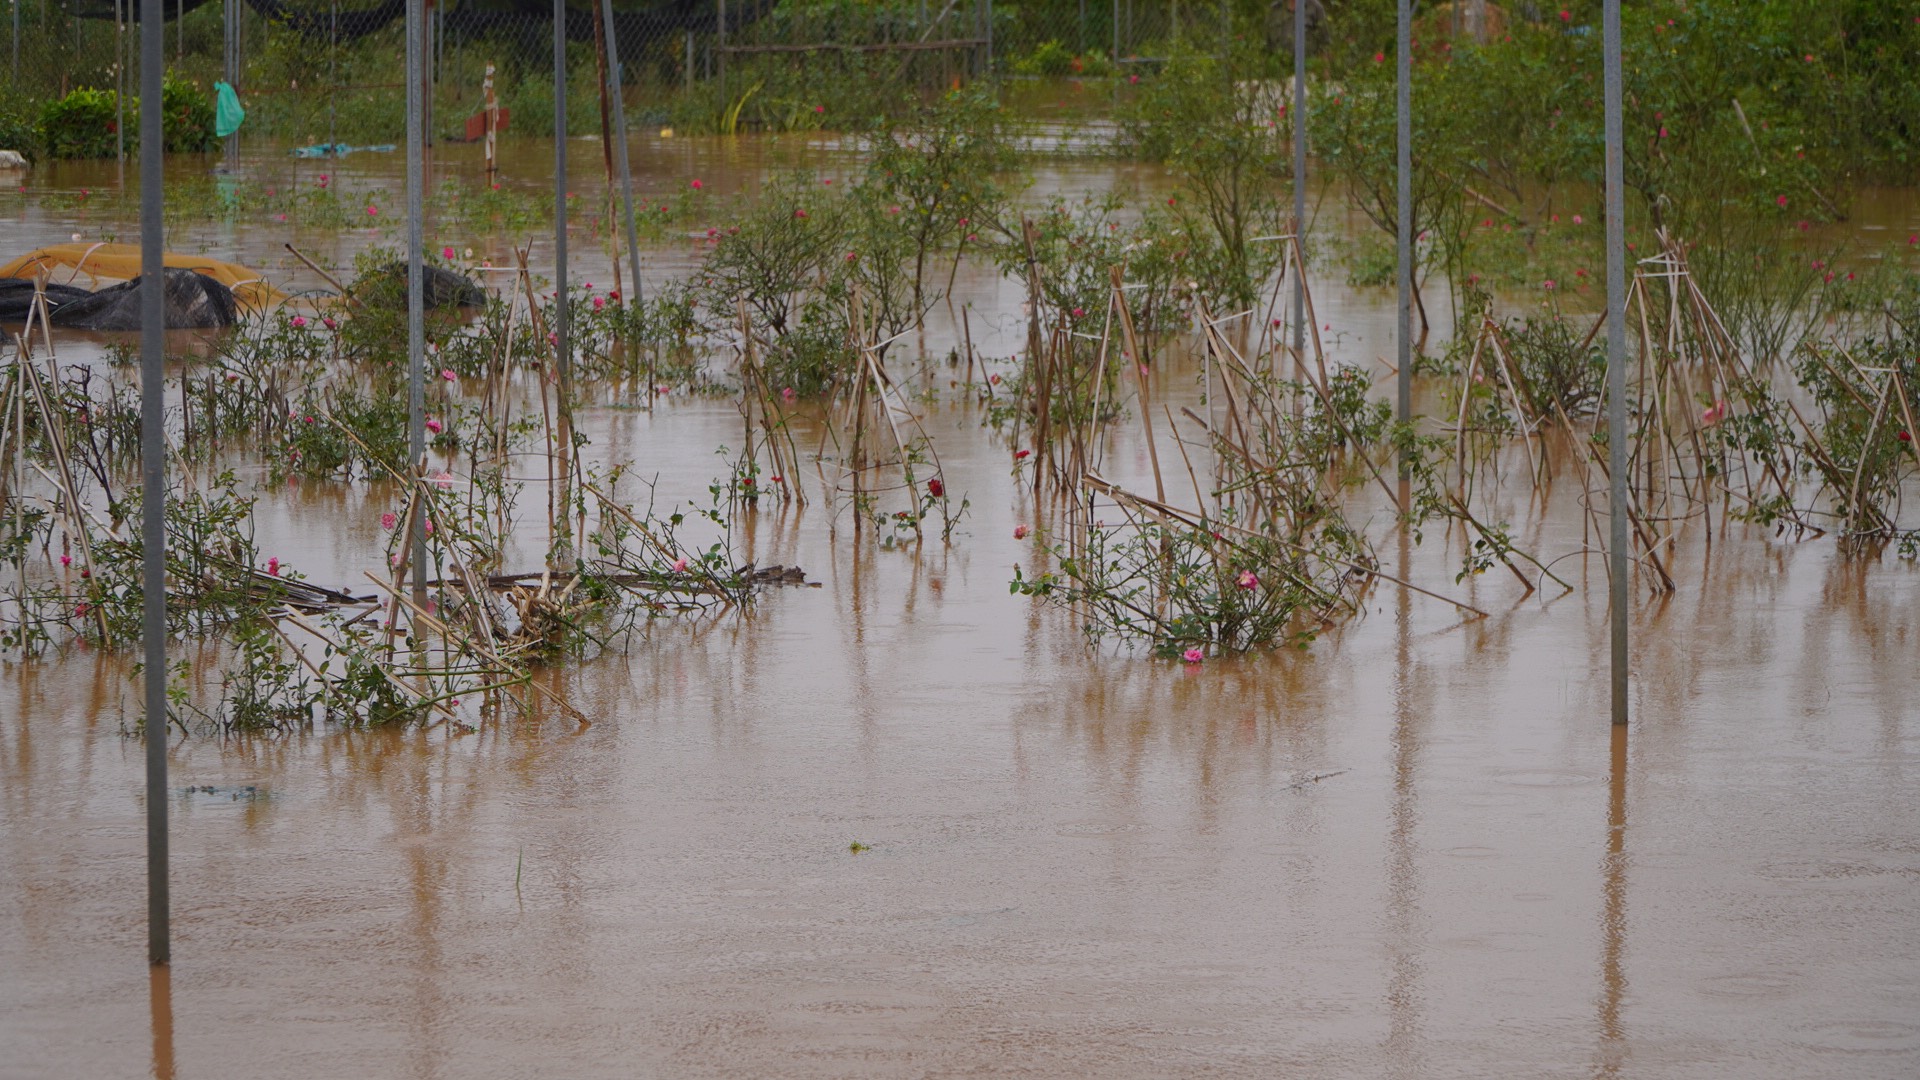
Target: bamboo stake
{"points": [[1141, 380]]}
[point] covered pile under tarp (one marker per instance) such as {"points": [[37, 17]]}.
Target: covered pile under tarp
{"points": [[386, 286], [64, 263], [16, 298], [194, 302]]}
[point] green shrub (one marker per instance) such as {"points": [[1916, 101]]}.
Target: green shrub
{"points": [[81, 125], [1227, 141], [1050, 58], [17, 133], [187, 117], [85, 123], [18, 129]]}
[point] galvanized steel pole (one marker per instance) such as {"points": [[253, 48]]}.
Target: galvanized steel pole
{"points": [[1300, 181], [153, 478], [1616, 364], [565, 357], [416, 286], [231, 67], [614, 68], [1403, 107]]}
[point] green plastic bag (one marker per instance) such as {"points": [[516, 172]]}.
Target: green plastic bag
{"points": [[227, 113]]}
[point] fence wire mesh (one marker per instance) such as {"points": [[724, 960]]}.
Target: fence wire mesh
{"points": [[311, 71]]}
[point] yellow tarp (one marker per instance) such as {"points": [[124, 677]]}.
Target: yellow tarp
{"points": [[122, 262]]}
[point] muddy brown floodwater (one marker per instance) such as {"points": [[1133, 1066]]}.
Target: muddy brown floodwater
{"points": [[1415, 850]]}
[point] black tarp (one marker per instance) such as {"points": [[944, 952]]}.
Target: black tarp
{"points": [[16, 298], [194, 302]]}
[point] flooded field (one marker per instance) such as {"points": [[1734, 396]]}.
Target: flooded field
{"points": [[907, 824]]}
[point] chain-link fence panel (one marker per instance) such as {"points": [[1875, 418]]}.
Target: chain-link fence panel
{"points": [[313, 72]]}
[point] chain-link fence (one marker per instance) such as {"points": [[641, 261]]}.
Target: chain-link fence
{"points": [[312, 71]]}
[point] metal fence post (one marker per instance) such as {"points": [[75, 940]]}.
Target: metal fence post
{"points": [[416, 285], [1300, 180], [231, 67], [989, 4], [153, 476], [1617, 594], [120, 88], [1403, 108], [429, 48], [560, 190], [614, 69]]}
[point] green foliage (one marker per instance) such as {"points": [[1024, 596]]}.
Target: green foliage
{"points": [[1176, 586], [835, 90], [1348, 418], [651, 556], [1077, 244], [1741, 121], [1827, 78], [779, 243], [19, 125], [1559, 376], [86, 122], [939, 168], [1354, 134], [264, 689], [346, 430], [316, 80], [614, 338], [1227, 138], [796, 258], [83, 124], [1050, 57], [187, 117], [1867, 399], [209, 559]]}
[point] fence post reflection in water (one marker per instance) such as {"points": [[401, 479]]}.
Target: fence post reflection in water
{"points": [[1405, 965], [1613, 914], [160, 1009]]}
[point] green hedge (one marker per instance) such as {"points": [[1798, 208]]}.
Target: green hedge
{"points": [[85, 123]]}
